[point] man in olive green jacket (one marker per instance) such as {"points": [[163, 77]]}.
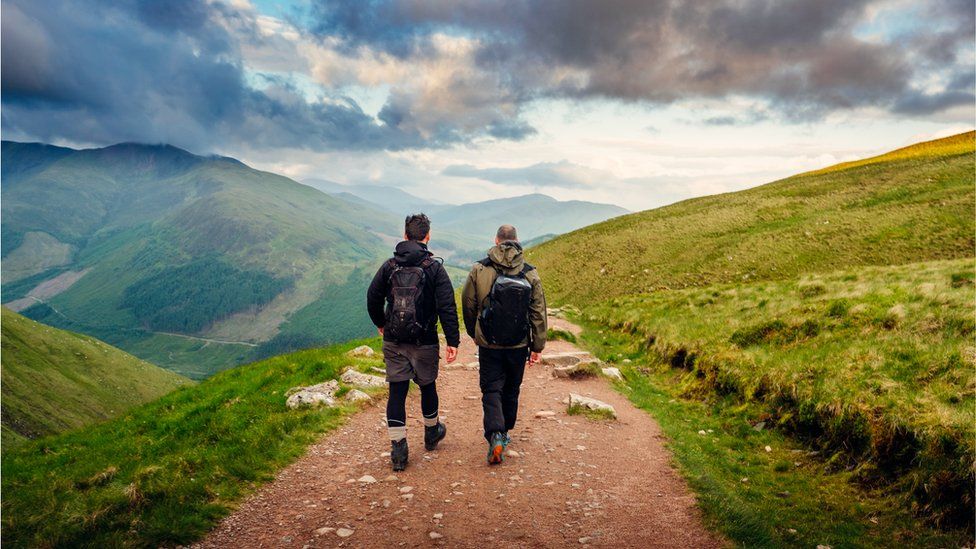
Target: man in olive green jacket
{"points": [[501, 367]]}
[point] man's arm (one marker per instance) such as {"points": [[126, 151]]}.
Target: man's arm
{"points": [[469, 302], [537, 316], [446, 307], [376, 298]]}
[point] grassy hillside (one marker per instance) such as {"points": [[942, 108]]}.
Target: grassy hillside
{"points": [[54, 380], [834, 306], [175, 244], [912, 205], [874, 367], [167, 471]]}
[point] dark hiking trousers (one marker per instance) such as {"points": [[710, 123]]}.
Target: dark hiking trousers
{"points": [[500, 376]]}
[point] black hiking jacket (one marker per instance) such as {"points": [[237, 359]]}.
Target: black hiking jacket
{"points": [[438, 301]]}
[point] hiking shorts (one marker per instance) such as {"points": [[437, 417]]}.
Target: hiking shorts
{"points": [[406, 361]]}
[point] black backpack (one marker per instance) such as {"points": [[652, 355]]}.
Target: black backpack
{"points": [[405, 322], [505, 316]]}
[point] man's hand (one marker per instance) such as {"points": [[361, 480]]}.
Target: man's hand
{"points": [[533, 358], [380, 330], [451, 354]]}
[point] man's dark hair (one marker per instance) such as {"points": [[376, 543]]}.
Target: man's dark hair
{"points": [[506, 232], [416, 227]]}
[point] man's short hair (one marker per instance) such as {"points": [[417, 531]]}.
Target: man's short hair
{"points": [[506, 232], [416, 227]]}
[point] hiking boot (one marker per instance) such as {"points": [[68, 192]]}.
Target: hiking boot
{"points": [[433, 435], [398, 454], [496, 449]]}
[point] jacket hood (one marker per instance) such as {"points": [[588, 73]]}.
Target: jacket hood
{"points": [[508, 256], [411, 253]]}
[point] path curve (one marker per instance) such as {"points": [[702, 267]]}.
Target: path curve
{"points": [[575, 482]]}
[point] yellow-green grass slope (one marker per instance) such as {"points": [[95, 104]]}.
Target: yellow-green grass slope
{"points": [[914, 204], [873, 366], [165, 472], [54, 380]]}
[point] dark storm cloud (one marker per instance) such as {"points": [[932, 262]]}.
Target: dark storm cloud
{"points": [[147, 71], [803, 57], [175, 71]]}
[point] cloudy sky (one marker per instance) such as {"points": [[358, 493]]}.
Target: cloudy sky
{"points": [[634, 102]]}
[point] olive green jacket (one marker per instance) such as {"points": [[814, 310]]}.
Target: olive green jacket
{"points": [[507, 257]]}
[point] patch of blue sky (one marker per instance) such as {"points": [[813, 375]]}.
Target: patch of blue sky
{"points": [[889, 24], [369, 99], [276, 8]]}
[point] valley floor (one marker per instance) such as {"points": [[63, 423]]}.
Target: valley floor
{"points": [[572, 480]]}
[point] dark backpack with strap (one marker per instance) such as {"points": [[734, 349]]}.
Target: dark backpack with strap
{"points": [[406, 320], [505, 316]]}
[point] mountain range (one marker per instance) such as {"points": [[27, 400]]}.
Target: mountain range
{"points": [[198, 263]]}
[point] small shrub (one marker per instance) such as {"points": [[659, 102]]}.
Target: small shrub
{"points": [[959, 280], [838, 308], [755, 335], [774, 331], [812, 290]]}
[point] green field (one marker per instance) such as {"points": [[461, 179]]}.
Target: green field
{"points": [[834, 307], [55, 381], [165, 472]]}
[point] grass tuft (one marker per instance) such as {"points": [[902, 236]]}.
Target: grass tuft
{"points": [[554, 334]]}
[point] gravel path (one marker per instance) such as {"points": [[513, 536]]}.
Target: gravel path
{"points": [[570, 481]]}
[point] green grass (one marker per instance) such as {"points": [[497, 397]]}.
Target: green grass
{"points": [[55, 380], [166, 472], [782, 498], [874, 367], [916, 205], [945, 147], [552, 334]]}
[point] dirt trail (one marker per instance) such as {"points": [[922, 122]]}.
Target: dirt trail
{"points": [[573, 482]]}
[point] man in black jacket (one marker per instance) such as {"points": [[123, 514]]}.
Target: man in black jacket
{"points": [[408, 324]]}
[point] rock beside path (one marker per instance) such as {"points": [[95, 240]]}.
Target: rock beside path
{"points": [[363, 351], [322, 394], [356, 395], [565, 359], [353, 377], [587, 403], [613, 373], [573, 365]]}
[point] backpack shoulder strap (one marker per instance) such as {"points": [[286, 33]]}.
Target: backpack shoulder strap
{"points": [[526, 268], [486, 262], [394, 267]]}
